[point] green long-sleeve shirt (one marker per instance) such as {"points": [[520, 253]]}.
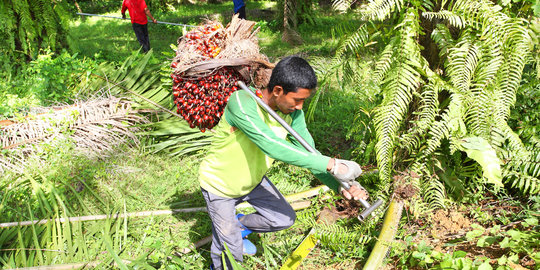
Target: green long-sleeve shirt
{"points": [[246, 142]]}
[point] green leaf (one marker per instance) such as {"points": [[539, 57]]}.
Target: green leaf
{"points": [[474, 234], [505, 242], [502, 260], [419, 255], [531, 222], [459, 254], [481, 151], [516, 235], [485, 266], [486, 241]]}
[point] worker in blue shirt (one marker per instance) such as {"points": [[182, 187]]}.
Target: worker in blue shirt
{"points": [[240, 8]]}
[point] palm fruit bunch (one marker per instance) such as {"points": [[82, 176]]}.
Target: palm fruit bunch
{"points": [[209, 62], [201, 101], [207, 39]]}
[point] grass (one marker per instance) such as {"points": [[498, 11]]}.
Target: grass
{"points": [[113, 39]]}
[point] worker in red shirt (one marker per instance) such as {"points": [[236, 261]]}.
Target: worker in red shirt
{"points": [[138, 12]]}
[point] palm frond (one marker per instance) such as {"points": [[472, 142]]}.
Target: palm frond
{"points": [[454, 19], [95, 127], [340, 238], [402, 80], [380, 9]]}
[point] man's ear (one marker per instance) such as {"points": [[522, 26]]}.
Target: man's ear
{"points": [[278, 90]]}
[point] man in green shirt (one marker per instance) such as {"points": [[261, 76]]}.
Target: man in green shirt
{"points": [[246, 142]]}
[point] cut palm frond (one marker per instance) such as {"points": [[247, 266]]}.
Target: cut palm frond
{"points": [[95, 127]]}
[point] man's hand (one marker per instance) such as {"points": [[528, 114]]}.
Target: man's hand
{"points": [[345, 170], [356, 192], [154, 20], [124, 16]]}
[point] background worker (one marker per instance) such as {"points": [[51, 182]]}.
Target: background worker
{"points": [[138, 12], [240, 8], [245, 143]]}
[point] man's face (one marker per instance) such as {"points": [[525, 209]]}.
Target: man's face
{"points": [[292, 101]]}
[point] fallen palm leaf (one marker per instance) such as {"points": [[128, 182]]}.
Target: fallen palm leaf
{"points": [[95, 126], [290, 198], [300, 253]]}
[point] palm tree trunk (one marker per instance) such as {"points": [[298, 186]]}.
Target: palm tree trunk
{"points": [[290, 22]]}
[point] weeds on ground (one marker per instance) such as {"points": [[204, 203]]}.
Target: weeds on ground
{"points": [[498, 238]]}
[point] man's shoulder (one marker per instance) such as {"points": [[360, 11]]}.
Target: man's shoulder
{"points": [[239, 96]]}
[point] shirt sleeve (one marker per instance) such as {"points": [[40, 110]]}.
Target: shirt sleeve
{"points": [[299, 125], [124, 7], [241, 112]]}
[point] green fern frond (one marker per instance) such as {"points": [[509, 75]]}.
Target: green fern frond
{"points": [[461, 64], [529, 164], [525, 183], [489, 63], [342, 5], [401, 81], [509, 76], [454, 19], [434, 193], [417, 207], [523, 171], [384, 62], [427, 112], [451, 123], [443, 38], [501, 132], [357, 40], [7, 31], [340, 238], [380, 9]]}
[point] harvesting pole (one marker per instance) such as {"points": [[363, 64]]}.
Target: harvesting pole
{"points": [[113, 17]]}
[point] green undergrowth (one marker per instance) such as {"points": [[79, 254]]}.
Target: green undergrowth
{"points": [[128, 180], [500, 233]]}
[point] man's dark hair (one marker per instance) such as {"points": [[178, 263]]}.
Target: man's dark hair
{"points": [[291, 73]]}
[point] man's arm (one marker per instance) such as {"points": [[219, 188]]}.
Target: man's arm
{"points": [[124, 8], [241, 112], [147, 12], [299, 125]]}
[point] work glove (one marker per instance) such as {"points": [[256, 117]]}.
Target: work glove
{"points": [[124, 16], [348, 175]]}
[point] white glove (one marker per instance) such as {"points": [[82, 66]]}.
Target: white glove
{"points": [[352, 171]]}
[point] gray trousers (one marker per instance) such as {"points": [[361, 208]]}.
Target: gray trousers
{"points": [[273, 213]]}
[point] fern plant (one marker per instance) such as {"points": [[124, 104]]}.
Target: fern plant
{"points": [[448, 78], [31, 25]]}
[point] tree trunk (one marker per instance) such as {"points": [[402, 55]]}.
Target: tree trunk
{"points": [[290, 22]]}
